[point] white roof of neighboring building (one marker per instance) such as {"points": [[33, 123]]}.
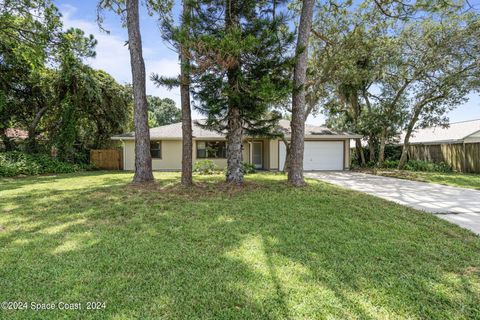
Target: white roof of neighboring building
{"points": [[174, 132], [455, 132]]}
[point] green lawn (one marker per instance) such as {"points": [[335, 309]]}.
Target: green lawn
{"points": [[265, 251], [464, 180]]}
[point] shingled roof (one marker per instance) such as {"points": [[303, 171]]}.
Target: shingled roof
{"points": [[312, 130], [174, 132], [454, 132]]}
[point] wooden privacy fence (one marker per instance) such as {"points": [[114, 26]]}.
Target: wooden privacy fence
{"points": [[463, 157], [109, 159]]}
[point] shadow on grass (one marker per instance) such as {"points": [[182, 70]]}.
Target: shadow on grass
{"points": [[21, 181], [268, 252], [462, 180]]}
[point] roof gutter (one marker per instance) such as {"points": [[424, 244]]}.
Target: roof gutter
{"points": [[332, 136], [471, 134], [310, 136], [122, 138], [452, 141]]}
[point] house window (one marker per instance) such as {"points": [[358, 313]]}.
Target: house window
{"points": [[156, 149], [211, 149]]}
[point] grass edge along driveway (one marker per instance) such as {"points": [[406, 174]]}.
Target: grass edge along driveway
{"points": [[455, 179]]}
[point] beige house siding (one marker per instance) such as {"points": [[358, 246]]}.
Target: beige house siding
{"points": [[172, 155], [346, 147], [129, 155], [273, 146], [245, 154]]}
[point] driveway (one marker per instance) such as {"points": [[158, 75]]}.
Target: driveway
{"points": [[457, 205]]}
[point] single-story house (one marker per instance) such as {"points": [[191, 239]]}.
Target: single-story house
{"points": [[325, 149], [455, 132]]}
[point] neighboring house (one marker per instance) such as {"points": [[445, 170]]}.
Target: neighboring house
{"points": [[15, 135], [324, 149], [458, 145], [456, 132]]}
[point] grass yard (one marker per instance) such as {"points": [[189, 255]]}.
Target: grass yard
{"points": [[463, 180], [266, 251]]}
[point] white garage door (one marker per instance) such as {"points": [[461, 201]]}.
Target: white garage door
{"points": [[318, 155]]}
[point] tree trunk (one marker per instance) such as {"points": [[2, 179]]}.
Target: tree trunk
{"points": [[381, 153], [234, 146], [31, 142], [406, 140], [297, 143], [287, 155], [234, 120], [7, 142], [143, 159], [371, 150], [403, 157], [360, 154], [185, 100]]}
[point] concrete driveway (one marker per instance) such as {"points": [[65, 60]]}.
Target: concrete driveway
{"points": [[457, 205]]}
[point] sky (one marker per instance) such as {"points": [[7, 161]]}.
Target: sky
{"points": [[113, 56]]}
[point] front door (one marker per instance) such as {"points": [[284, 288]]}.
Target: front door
{"points": [[257, 158]]}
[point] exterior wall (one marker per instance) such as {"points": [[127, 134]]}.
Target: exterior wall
{"points": [[172, 156], [245, 153], [247, 156], [346, 151], [129, 155], [274, 152], [273, 146]]}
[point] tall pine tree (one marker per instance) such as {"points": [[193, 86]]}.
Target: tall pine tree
{"points": [[180, 37], [241, 69], [297, 144]]}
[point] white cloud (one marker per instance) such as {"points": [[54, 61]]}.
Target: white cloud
{"points": [[114, 58]]}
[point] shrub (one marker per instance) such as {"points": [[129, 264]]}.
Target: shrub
{"points": [[390, 164], [248, 168], [393, 152], [443, 167], [420, 165], [19, 163], [205, 167]]}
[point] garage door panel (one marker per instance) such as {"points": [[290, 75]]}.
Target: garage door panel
{"points": [[319, 155]]}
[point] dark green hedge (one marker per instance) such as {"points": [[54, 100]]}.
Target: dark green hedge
{"points": [[19, 163], [419, 165]]}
